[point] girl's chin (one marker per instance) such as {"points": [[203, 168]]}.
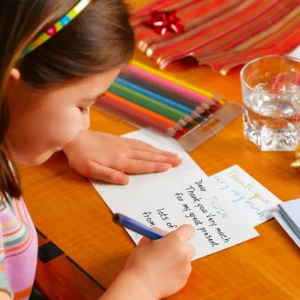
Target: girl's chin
{"points": [[37, 160]]}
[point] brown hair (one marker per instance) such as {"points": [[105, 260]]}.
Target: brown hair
{"points": [[97, 40]]}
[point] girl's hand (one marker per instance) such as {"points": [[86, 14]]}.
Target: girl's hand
{"points": [[156, 269], [162, 267], [110, 158]]}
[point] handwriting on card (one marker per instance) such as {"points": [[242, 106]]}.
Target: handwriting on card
{"points": [[239, 197], [200, 211], [252, 199]]}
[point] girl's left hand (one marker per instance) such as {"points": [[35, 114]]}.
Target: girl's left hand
{"points": [[110, 158]]}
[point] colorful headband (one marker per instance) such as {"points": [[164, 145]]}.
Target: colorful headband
{"points": [[58, 26]]}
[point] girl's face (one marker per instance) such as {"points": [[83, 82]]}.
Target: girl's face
{"points": [[44, 121]]}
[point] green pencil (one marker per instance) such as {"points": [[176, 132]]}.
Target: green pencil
{"points": [[147, 102]]}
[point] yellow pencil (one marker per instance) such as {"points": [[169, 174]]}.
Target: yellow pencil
{"points": [[174, 80]]}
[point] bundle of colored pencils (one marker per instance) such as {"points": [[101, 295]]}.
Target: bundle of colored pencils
{"points": [[155, 99]]}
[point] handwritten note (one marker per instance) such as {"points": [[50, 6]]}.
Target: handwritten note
{"points": [[253, 201], [183, 195]]}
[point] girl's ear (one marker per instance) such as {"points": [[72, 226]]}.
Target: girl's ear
{"points": [[15, 75], [14, 83]]}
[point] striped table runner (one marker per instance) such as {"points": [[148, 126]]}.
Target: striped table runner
{"points": [[221, 33]]}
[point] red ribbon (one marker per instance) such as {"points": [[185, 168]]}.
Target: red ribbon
{"points": [[165, 21]]}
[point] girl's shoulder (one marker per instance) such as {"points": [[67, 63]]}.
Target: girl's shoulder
{"points": [[18, 247], [15, 225]]}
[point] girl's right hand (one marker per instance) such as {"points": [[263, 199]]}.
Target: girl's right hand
{"points": [[162, 267]]}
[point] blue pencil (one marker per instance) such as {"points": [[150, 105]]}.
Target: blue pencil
{"points": [[137, 227], [162, 90], [154, 96]]}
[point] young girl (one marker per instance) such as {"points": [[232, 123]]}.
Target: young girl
{"points": [[56, 58]]}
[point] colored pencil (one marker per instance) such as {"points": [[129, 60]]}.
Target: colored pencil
{"points": [[143, 115], [153, 95], [137, 97], [149, 107], [146, 102], [174, 80], [197, 113], [201, 108], [147, 117], [184, 94], [162, 87], [139, 113]]}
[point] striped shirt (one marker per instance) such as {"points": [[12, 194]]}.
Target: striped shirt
{"points": [[18, 249]]}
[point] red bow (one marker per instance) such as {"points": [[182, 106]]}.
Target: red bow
{"points": [[165, 21]]}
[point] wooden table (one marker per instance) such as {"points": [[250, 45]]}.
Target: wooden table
{"points": [[72, 217]]}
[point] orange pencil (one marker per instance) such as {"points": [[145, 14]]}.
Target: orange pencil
{"points": [[139, 113]]}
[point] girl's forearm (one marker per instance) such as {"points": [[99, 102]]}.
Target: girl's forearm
{"points": [[128, 286]]}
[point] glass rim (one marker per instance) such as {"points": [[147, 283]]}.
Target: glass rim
{"points": [[260, 58]]}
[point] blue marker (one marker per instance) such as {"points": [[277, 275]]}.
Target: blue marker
{"points": [[137, 227]]}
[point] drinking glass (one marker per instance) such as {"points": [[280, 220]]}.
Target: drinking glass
{"points": [[271, 102]]}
